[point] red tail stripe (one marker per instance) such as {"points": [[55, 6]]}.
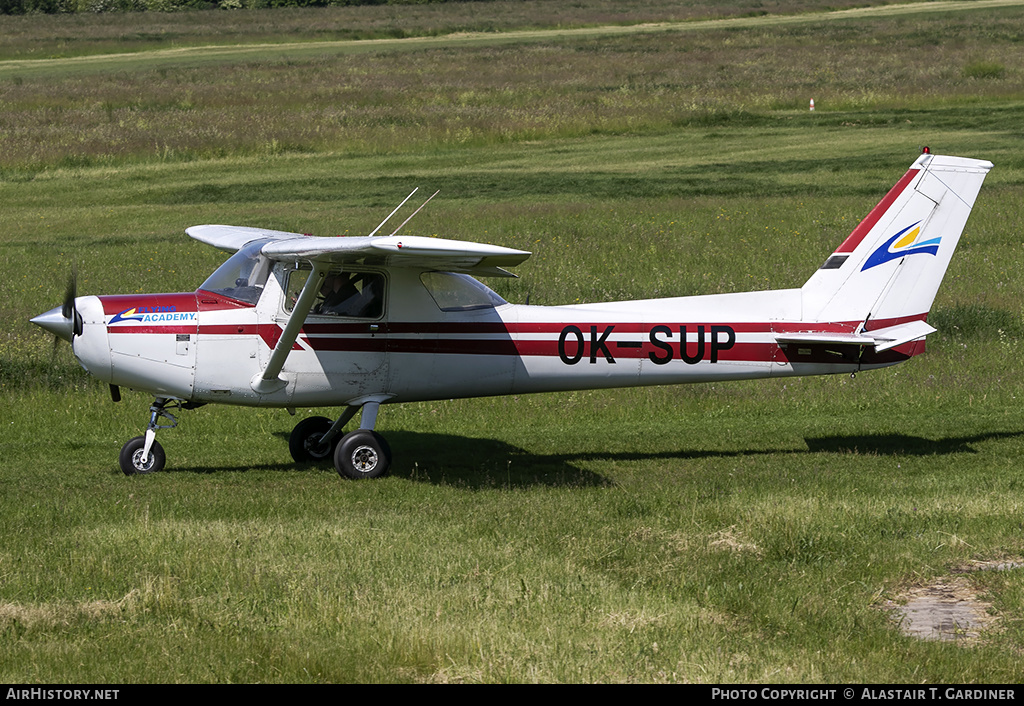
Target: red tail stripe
{"points": [[865, 226]]}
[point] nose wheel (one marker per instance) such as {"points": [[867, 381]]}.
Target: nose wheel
{"points": [[133, 461]]}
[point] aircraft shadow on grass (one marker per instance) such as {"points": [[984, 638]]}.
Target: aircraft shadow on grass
{"points": [[447, 459], [903, 444]]}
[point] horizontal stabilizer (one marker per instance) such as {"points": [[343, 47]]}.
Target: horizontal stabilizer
{"points": [[881, 340], [886, 338], [830, 337]]}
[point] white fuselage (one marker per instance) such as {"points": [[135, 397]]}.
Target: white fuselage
{"points": [[206, 347]]}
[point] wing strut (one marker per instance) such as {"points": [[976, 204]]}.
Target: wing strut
{"points": [[269, 381]]}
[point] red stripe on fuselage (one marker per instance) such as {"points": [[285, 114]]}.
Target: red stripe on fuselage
{"points": [[628, 340]]}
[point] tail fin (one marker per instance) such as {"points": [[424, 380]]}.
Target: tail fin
{"points": [[888, 270]]}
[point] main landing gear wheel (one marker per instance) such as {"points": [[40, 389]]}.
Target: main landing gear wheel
{"points": [[304, 442], [131, 457], [362, 454]]}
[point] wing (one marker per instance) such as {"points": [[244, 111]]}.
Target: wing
{"points": [[401, 251], [232, 238], [390, 251]]}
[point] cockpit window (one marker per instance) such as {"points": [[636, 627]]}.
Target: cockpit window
{"points": [[453, 291], [242, 276], [350, 294]]}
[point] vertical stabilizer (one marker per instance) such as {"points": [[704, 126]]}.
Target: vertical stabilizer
{"points": [[890, 267]]}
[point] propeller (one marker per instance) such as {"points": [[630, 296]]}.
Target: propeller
{"points": [[63, 321]]}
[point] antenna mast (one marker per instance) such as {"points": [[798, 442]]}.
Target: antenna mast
{"points": [[415, 212], [394, 212]]}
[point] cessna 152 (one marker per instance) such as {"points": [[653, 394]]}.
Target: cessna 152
{"points": [[356, 322]]}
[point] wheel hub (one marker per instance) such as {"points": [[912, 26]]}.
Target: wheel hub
{"points": [[364, 459], [316, 448], [139, 465]]}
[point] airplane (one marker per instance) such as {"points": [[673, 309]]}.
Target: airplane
{"points": [[356, 322]]}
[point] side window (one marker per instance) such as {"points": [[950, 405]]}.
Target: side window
{"points": [[459, 292], [348, 294]]}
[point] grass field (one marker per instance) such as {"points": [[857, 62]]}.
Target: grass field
{"points": [[747, 532]]}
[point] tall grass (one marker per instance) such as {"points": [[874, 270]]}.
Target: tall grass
{"points": [[47, 36], [394, 101]]}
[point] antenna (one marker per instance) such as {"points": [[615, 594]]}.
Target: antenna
{"points": [[415, 212], [394, 212]]}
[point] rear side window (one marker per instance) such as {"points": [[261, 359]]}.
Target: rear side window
{"points": [[453, 291]]}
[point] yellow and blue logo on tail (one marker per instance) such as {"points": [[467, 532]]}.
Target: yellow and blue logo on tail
{"points": [[903, 243]]}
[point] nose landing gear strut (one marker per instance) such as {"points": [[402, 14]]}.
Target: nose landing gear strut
{"points": [[144, 454]]}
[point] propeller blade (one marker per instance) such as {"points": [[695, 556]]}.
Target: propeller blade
{"points": [[70, 292]]}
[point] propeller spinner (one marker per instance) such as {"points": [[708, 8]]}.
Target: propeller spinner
{"points": [[63, 321]]}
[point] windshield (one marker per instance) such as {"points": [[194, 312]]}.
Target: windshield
{"points": [[242, 276]]}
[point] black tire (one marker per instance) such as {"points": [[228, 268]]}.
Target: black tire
{"points": [[304, 442], [131, 455], [362, 454]]}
